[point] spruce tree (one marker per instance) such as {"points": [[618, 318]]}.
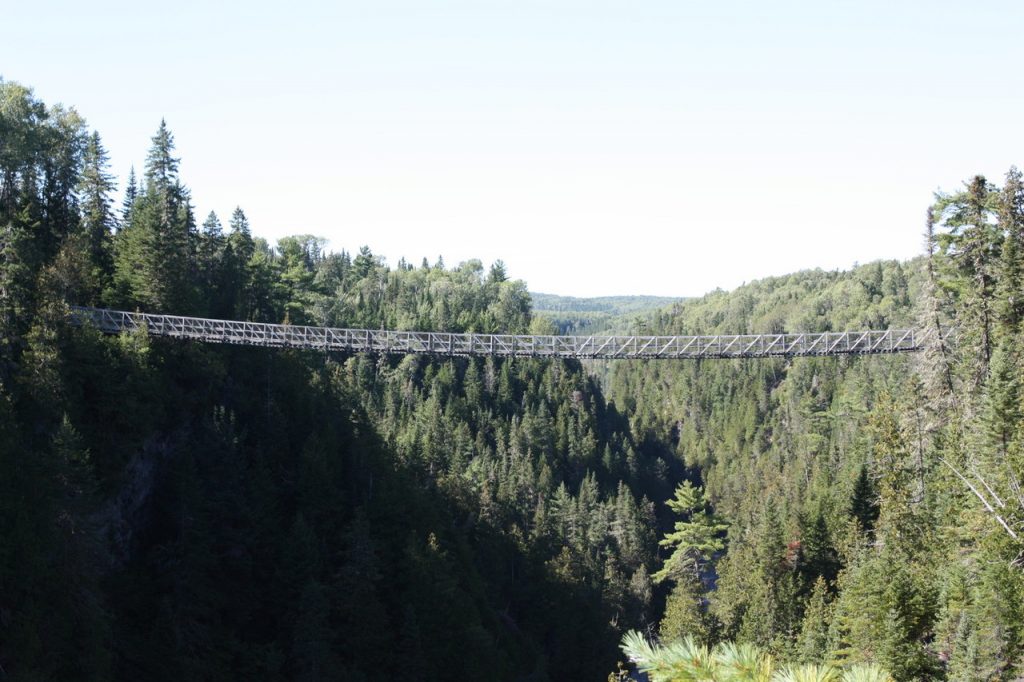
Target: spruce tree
{"points": [[131, 194], [818, 557], [864, 501], [812, 645], [61, 166], [1010, 282], [972, 242], [211, 260], [161, 164], [241, 235], [98, 221], [19, 260], [155, 252], [685, 613]]}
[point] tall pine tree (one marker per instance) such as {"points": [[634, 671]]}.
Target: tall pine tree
{"points": [[155, 253]]}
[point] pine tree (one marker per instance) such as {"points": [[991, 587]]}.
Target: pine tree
{"points": [[61, 166], [211, 261], [212, 227], [972, 242], [1010, 282], [685, 613], [19, 260], [131, 194], [864, 501], [812, 645], [965, 663], [161, 164], [694, 540], [818, 557], [240, 270], [155, 252], [1001, 409], [241, 235], [497, 274], [98, 221]]}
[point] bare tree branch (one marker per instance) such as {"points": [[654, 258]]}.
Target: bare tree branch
{"points": [[974, 470], [1015, 487], [984, 501]]}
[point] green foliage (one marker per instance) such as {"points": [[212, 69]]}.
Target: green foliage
{"points": [[875, 507], [694, 540], [155, 251], [865, 673], [864, 501], [808, 673], [95, 187], [602, 314], [685, 613], [813, 643], [680, 660], [684, 660], [174, 511]]}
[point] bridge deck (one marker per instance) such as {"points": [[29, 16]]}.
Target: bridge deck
{"points": [[504, 345]]}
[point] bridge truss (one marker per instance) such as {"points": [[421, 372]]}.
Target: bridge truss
{"points": [[504, 345]]}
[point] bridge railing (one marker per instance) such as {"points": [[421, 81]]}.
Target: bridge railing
{"points": [[522, 345]]}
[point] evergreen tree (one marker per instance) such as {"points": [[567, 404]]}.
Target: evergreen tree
{"points": [[20, 260], [818, 557], [61, 164], [212, 261], [98, 221], [864, 501], [161, 164], [685, 613], [212, 228], [812, 645], [694, 540], [131, 194], [155, 252], [1010, 280], [241, 235], [240, 270], [972, 241]]}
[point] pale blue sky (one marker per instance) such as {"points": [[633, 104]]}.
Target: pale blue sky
{"points": [[661, 147]]}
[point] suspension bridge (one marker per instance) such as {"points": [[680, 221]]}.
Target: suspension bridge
{"points": [[380, 341]]}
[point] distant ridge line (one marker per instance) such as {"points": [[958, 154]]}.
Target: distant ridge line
{"points": [[720, 346]]}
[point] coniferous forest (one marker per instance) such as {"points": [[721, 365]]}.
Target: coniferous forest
{"points": [[172, 510]]}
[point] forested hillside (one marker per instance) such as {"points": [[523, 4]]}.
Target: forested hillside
{"points": [[177, 511], [571, 315], [171, 510], [873, 505]]}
